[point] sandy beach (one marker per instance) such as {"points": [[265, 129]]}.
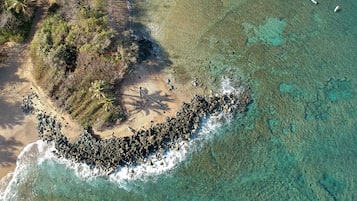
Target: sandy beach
{"points": [[16, 128], [149, 94]]}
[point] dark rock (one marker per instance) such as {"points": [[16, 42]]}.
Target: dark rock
{"points": [[145, 49], [110, 154]]}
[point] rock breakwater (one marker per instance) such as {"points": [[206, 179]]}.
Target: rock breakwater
{"points": [[111, 154]]}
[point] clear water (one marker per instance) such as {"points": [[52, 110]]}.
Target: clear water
{"points": [[298, 140]]}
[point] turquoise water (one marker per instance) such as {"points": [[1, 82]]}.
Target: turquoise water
{"points": [[298, 139]]}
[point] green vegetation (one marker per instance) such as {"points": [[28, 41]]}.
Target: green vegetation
{"points": [[80, 62], [100, 4], [18, 6], [15, 20]]}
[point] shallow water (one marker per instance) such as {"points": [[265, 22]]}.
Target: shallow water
{"points": [[298, 139]]}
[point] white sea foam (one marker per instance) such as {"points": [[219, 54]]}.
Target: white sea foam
{"points": [[227, 88], [155, 30], [155, 165], [171, 159], [81, 170], [158, 164], [33, 153]]}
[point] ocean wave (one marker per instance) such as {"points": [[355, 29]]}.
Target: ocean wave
{"points": [[157, 164], [228, 88], [153, 166], [32, 154]]}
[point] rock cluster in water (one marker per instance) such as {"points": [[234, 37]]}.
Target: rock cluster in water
{"points": [[110, 154]]}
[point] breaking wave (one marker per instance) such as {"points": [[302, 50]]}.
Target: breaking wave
{"points": [[157, 164]]}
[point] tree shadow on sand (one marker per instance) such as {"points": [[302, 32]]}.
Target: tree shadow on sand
{"points": [[148, 102], [153, 59], [8, 148], [10, 64], [10, 112], [151, 53]]}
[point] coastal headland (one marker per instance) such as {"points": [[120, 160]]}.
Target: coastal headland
{"points": [[110, 154], [160, 109]]}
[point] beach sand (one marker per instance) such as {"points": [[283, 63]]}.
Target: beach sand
{"points": [[152, 105], [156, 100], [18, 129], [150, 94]]}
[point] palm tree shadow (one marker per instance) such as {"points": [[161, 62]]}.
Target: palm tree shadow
{"points": [[149, 102], [8, 148]]}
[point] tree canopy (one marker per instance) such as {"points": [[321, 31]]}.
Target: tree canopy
{"points": [[79, 61]]}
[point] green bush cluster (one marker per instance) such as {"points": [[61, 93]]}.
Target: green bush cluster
{"points": [[74, 56], [15, 20]]}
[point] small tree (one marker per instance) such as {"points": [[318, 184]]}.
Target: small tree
{"points": [[108, 103], [98, 88], [18, 6]]}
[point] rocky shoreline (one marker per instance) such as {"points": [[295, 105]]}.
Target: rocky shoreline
{"points": [[110, 154]]}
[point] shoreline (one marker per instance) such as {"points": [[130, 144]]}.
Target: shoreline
{"points": [[155, 163], [109, 155], [16, 129], [151, 95], [16, 82], [13, 92]]}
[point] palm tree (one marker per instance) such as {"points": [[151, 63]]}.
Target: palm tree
{"points": [[17, 5], [108, 103], [98, 88]]}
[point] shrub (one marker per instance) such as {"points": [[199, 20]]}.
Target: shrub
{"points": [[15, 20], [72, 54]]}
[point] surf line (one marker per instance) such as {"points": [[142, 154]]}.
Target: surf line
{"points": [[147, 153]]}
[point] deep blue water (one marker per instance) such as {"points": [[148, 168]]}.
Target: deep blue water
{"points": [[298, 139]]}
